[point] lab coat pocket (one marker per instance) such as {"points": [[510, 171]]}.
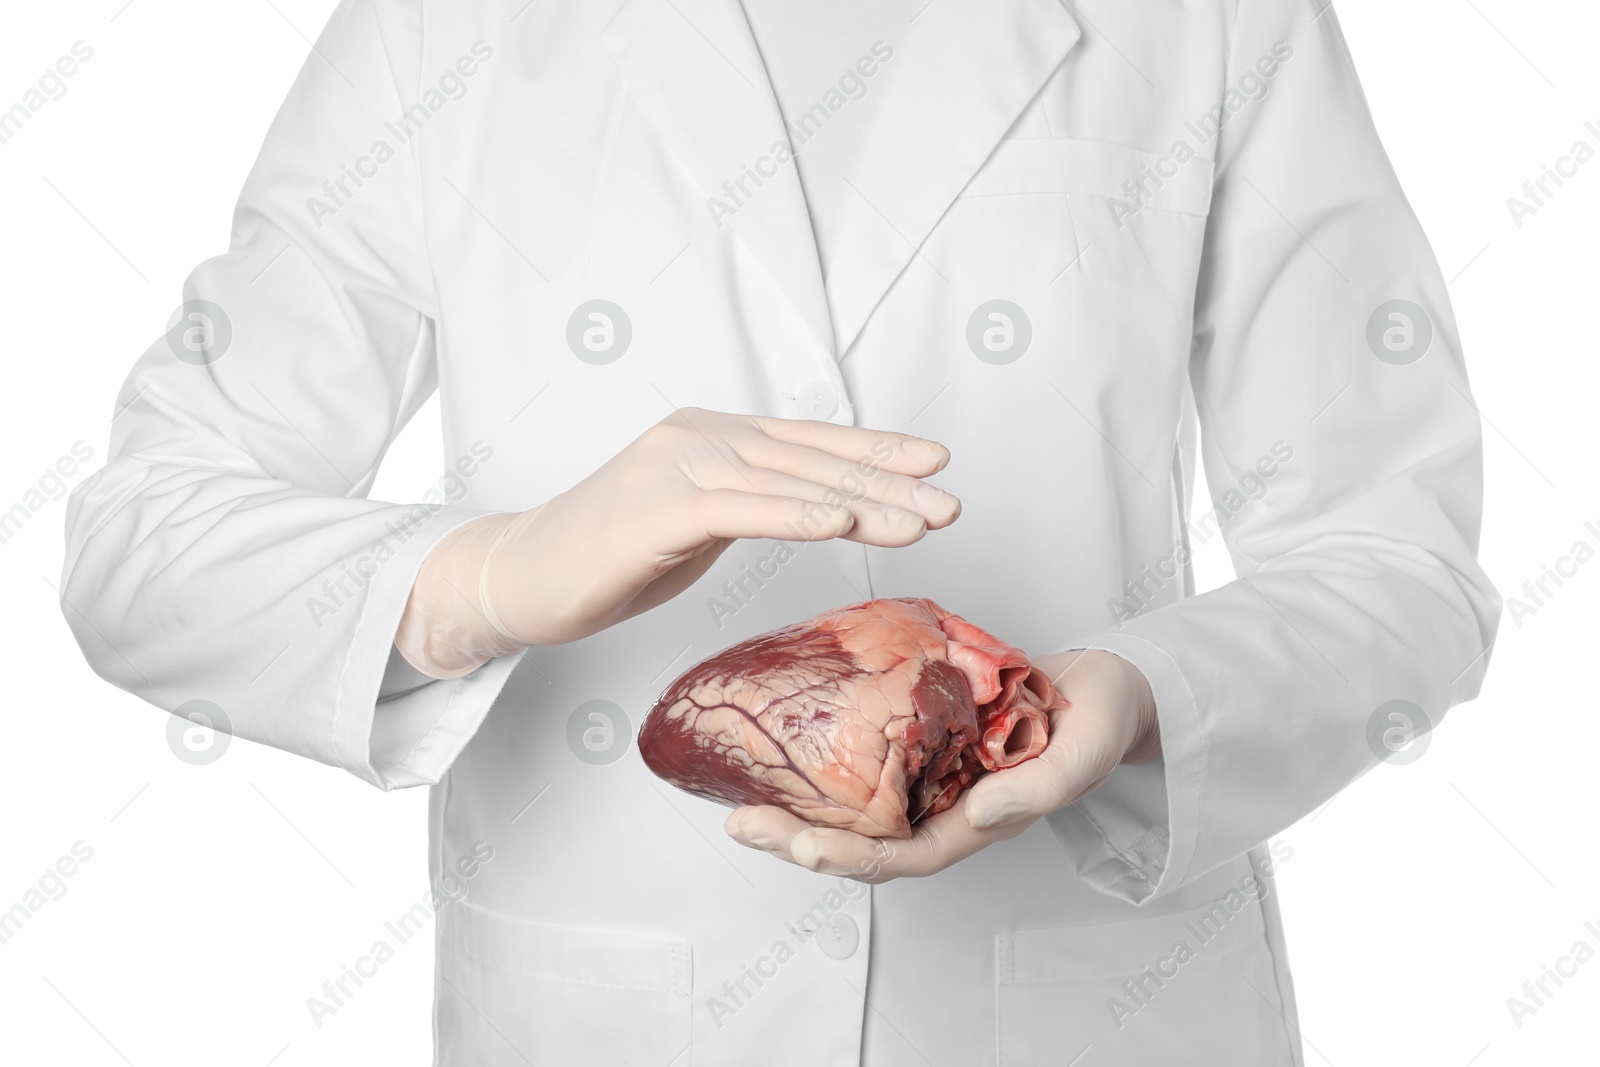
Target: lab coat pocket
{"points": [[1180, 989], [1135, 220], [1073, 166], [513, 992]]}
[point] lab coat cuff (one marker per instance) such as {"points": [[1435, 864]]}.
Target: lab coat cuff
{"points": [[418, 734], [389, 730], [1136, 836]]}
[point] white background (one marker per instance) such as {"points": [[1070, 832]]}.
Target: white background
{"points": [[219, 898]]}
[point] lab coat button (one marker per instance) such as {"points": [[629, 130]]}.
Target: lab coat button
{"points": [[817, 400]]}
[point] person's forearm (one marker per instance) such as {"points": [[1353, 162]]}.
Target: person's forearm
{"points": [[651, 520]]}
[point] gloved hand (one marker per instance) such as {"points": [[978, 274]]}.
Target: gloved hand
{"points": [[1111, 720], [652, 520]]}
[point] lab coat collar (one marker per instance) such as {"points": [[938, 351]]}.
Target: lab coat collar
{"points": [[967, 72], [694, 68]]}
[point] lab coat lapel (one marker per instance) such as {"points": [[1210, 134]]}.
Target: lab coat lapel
{"points": [[694, 67], [967, 72]]}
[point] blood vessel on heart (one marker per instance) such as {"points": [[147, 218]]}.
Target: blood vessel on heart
{"points": [[866, 718]]}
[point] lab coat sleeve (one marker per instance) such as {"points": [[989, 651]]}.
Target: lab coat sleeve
{"points": [[227, 551], [1357, 581]]}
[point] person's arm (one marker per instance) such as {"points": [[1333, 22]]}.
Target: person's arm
{"points": [[226, 552], [1358, 580], [651, 520]]}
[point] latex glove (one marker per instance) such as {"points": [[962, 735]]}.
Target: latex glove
{"points": [[652, 520], [1111, 720]]}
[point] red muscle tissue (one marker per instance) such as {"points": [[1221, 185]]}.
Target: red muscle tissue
{"points": [[865, 718]]}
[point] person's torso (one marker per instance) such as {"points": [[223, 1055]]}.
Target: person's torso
{"points": [[616, 233]]}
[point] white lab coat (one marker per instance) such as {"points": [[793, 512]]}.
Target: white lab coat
{"points": [[615, 922]]}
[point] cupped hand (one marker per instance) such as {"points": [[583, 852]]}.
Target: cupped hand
{"points": [[1111, 719], [651, 520]]}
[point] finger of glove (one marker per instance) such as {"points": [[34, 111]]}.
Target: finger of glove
{"points": [[876, 523], [787, 836], [935, 844], [764, 827], [896, 452], [1026, 791], [735, 513], [1077, 759], [851, 478]]}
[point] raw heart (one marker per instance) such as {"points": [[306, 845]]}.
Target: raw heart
{"points": [[865, 718]]}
